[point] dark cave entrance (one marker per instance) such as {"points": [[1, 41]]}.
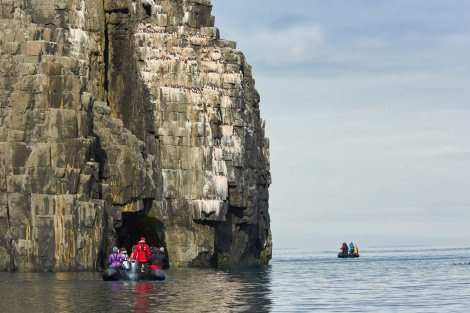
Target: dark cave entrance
{"points": [[134, 225]]}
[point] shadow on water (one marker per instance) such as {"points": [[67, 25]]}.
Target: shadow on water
{"points": [[185, 290], [211, 290]]}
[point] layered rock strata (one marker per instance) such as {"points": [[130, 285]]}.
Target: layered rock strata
{"points": [[122, 119]]}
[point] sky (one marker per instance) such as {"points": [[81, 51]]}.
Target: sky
{"points": [[367, 109]]}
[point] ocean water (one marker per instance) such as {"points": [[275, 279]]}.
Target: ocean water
{"points": [[380, 280]]}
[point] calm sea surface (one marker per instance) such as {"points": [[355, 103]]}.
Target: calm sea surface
{"points": [[394, 280]]}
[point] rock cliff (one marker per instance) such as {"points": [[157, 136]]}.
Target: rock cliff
{"points": [[127, 118]]}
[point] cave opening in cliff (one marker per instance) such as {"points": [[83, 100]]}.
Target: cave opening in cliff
{"points": [[135, 225]]}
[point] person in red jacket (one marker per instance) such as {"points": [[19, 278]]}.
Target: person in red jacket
{"points": [[141, 254]]}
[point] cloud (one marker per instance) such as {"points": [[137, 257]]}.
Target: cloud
{"points": [[291, 46], [315, 38], [367, 108]]}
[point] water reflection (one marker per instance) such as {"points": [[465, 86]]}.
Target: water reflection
{"points": [[185, 290], [240, 290], [197, 290]]}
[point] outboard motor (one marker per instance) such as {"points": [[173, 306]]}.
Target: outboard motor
{"points": [[133, 270]]}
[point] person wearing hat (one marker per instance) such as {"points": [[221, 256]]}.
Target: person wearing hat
{"points": [[125, 263], [157, 259], [141, 253], [115, 259]]}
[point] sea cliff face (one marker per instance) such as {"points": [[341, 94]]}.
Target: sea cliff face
{"points": [[121, 119]]}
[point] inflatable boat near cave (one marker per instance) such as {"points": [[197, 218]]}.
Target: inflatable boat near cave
{"points": [[348, 255], [113, 274]]}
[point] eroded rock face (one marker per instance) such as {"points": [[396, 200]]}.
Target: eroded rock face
{"points": [[122, 119]]}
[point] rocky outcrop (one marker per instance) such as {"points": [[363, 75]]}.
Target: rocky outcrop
{"points": [[122, 119]]}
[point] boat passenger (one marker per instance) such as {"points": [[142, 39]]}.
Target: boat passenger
{"points": [[141, 254], [132, 256], [356, 249], [351, 247], [125, 264], [115, 259], [157, 258], [344, 248]]}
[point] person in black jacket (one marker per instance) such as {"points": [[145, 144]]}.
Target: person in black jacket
{"points": [[158, 258]]}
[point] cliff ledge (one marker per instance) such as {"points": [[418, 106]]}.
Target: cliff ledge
{"points": [[121, 119]]}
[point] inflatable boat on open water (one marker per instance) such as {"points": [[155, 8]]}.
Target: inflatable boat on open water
{"points": [[113, 274], [348, 255]]}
